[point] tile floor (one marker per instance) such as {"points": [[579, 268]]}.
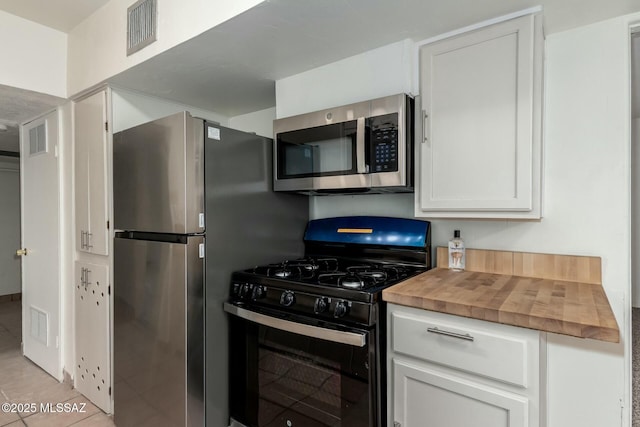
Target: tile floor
{"points": [[22, 382], [635, 371]]}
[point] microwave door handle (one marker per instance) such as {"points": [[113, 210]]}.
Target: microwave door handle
{"points": [[354, 339], [361, 164]]}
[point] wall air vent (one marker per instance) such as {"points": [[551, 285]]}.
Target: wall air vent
{"points": [[38, 140], [141, 25]]}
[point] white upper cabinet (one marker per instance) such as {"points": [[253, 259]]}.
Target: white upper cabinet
{"points": [[90, 139], [481, 95]]}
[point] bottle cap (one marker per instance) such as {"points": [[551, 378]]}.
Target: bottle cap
{"points": [[456, 233]]}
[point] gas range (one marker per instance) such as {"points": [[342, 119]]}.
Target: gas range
{"points": [[308, 335], [339, 280]]}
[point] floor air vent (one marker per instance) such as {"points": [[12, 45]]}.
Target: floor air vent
{"points": [[39, 325], [141, 25]]}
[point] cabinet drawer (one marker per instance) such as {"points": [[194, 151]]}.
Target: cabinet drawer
{"points": [[469, 348]]}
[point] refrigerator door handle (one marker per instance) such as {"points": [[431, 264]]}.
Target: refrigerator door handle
{"points": [[354, 339]]}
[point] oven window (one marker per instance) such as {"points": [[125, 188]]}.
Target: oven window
{"points": [[307, 382], [320, 151]]}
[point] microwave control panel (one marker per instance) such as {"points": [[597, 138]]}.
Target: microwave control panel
{"points": [[383, 141]]}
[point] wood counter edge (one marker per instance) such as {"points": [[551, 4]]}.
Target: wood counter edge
{"points": [[506, 317]]}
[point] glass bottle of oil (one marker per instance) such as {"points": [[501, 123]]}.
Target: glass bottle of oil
{"points": [[456, 252]]}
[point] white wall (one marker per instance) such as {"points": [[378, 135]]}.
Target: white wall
{"points": [[635, 210], [97, 46], [34, 57], [131, 109], [635, 170], [10, 281], [380, 72], [259, 122], [586, 194]]}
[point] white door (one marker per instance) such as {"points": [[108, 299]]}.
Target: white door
{"points": [[40, 241]]}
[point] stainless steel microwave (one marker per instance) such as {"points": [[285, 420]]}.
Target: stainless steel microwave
{"points": [[362, 147]]}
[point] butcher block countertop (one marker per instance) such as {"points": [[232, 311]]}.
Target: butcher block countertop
{"points": [[552, 293]]}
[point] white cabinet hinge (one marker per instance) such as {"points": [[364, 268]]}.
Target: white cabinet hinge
{"points": [[106, 126]]}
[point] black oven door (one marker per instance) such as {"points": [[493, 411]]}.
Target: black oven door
{"points": [[285, 373]]}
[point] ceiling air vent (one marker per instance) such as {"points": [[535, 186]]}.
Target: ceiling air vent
{"points": [[141, 25]]}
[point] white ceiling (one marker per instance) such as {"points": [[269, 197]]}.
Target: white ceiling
{"points": [[232, 69], [18, 106], [62, 15]]}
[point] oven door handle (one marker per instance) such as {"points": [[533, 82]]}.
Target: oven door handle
{"points": [[354, 339]]}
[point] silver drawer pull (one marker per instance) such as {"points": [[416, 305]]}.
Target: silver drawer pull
{"points": [[450, 334]]}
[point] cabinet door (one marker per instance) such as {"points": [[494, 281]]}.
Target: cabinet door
{"points": [[81, 184], [93, 366], [97, 170], [91, 194], [428, 397], [480, 156]]}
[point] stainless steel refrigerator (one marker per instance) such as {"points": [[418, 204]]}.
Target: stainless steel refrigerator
{"points": [[193, 201]]}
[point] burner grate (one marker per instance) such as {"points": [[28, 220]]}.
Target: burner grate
{"points": [[336, 272], [298, 269]]}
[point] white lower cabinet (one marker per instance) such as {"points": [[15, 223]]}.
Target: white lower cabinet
{"points": [[450, 371], [422, 394], [92, 374]]}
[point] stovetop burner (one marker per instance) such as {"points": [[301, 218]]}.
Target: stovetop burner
{"points": [[336, 272]]}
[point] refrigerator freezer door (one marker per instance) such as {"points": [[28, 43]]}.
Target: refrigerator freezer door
{"points": [[158, 175], [158, 333]]}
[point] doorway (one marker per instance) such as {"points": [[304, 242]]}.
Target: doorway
{"points": [[10, 282], [635, 225]]}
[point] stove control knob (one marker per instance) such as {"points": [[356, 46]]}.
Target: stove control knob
{"points": [[258, 292], [287, 299], [235, 291], [321, 305], [243, 292], [341, 309]]}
